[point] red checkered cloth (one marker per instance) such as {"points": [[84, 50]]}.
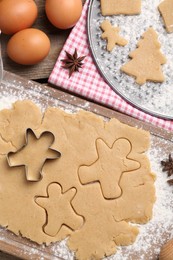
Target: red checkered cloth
{"points": [[88, 82]]}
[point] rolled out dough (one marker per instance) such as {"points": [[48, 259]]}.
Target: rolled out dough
{"points": [[72, 194]]}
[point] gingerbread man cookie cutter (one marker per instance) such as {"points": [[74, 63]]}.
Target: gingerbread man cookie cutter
{"points": [[34, 154]]}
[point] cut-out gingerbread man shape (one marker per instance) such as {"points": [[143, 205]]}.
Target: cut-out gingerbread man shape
{"points": [[111, 34], [166, 10], [34, 154], [109, 167], [59, 210]]}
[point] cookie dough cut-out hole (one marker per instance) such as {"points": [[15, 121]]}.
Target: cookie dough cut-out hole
{"points": [[34, 154], [111, 34], [59, 210], [115, 7], [111, 163]]}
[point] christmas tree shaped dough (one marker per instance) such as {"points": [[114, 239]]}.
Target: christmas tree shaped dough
{"points": [[114, 7], [146, 59], [166, 10], [111, 34]]}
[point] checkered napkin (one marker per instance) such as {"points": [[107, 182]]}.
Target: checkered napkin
{"points": [[88, 82]]}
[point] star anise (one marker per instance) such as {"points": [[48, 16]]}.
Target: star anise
{"points": [[170, 182], [73, 62], [168, 165]]}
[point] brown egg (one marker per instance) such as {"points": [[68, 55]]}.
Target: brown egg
{"points": [[63, 14], [28, 46], [16, 15], [166, 252]]}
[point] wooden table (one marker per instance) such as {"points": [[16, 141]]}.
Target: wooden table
{"points": [[39, 72]]}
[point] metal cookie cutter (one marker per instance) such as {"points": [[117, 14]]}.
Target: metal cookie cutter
{"points": [[34, 157]]}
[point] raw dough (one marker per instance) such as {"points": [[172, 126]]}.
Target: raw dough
{"points": [[166, 10], [103, 170], [111, 34], [101, 231], [99, 224], [128, 7], [56, 203], [146, 59]]}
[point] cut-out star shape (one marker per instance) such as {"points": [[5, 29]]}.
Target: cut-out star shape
{"points": [[34, 154], [59, 210], [109, 167]]}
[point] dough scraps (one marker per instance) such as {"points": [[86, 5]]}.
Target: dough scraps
{"points": [[95, 225], [166, 10], [146, 59], [111, 34], [115, 7]]}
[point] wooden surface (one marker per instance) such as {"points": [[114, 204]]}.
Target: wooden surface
{"points": [[44, 68], [18, 246], [5, 256]]}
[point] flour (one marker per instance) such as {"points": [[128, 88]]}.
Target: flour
{"points": [[159, 230], [153, 234]]}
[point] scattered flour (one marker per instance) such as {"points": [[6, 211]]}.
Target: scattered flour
{"points": [[153, 234]]}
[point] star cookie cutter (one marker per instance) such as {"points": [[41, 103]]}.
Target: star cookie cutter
{"points": [[35, 161]]}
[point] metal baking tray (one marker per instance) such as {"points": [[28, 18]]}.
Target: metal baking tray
{"points": [[153, 98]]}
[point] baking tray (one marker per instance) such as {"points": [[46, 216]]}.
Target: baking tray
{"points": [[153, 98], [153, 234]]}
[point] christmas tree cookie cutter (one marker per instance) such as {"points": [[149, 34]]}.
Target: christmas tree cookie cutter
{"points": [[34, 154]]}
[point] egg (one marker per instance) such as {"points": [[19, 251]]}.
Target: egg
{"points": [[16, 15], [28, 46], [63, 14]]}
